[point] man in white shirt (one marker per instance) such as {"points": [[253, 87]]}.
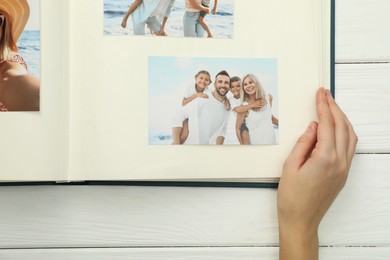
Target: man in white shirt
{"points": [[208, 117]]}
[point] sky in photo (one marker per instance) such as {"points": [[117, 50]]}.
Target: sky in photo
{"points": [[170, 76]]}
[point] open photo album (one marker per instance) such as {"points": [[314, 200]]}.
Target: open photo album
{"points": [[158, 90]]}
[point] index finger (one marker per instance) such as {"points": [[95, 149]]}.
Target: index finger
{"points": [[326, 128]]}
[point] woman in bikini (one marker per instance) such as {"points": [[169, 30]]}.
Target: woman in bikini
{"points": [[18, 90]]}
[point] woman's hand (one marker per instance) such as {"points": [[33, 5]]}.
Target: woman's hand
{"points": [[313, 176]]}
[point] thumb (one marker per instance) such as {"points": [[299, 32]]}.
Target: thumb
{"points": [[303, 147]]}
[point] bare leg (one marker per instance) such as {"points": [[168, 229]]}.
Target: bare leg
{"points": [[246, 139], [185, 132], [130, 11], [204, 25], [176, 133]]}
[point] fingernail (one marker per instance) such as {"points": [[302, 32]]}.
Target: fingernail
{"points": [[311, 127], [328, 94], [322, 94]]}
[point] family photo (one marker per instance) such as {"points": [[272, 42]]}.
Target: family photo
{"points": [[19, 55], [173, 18], [213, 101]]}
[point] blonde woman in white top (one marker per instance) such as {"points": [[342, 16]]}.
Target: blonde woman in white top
{"points": [[259, 121]]}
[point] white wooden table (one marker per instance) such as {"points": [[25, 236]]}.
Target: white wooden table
{"points": [[100, 222]]}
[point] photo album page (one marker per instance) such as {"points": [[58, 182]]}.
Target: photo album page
{"points": [[191, 89], [157, 90], [33, 86]]}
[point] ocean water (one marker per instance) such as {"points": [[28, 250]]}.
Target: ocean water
{"points": [[221, 24], [30, 49], [164, 138]]}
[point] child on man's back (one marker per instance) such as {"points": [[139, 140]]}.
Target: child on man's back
{"points": [[202, 81]]}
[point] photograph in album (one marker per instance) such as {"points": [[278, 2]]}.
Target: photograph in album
{"points": [[173, 18], [19, 55], [213, 101]]}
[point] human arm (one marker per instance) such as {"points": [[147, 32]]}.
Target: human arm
{"points": [[166, 14], [192, 97], [199, 7], [275, 121], [20, 90], [133, 6], [162, 29], [227, 104], [254, 105], [220, 140], [214, 11], [313, 175], [131, 9]]}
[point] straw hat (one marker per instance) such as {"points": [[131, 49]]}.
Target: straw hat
{"points": [[19, 12]]}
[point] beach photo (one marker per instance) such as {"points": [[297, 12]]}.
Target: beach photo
{"points": [[173, 18], [19, 55], [213, 101]]}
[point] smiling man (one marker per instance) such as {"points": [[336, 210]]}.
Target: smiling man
{"points": [[208, 117]]}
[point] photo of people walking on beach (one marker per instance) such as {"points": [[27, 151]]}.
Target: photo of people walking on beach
{"points": [[174, 18], [19, 55], [213, 101]]}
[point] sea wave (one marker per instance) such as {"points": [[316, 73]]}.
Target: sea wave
{"points": [[115, 12], [29, 46], [221, 24], [120, 8], [221, 13], [160, 138]]}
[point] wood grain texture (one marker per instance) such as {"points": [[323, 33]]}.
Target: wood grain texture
{"points": [[362, 31], [250, 253], [66, 217], [107, 216], [363, 92]]}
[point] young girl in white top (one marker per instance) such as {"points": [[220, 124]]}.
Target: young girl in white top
{"points": [[200, 90]]}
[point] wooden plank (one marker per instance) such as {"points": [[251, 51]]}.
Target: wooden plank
{"points": [[107, 216], [362, 30], [250, 253], [363, 91]]}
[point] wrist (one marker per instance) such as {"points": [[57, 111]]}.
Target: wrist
{"points": [[297, 242]]}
